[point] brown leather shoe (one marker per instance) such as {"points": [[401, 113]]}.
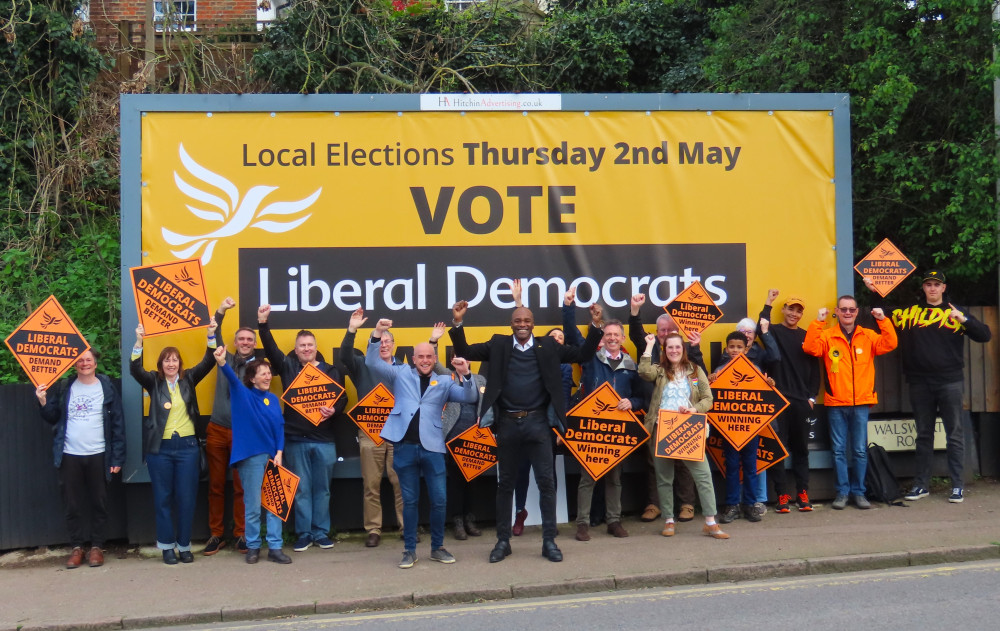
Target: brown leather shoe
{"points": [[714, 531], [582, 532], [668, 529], [651, 513], [615, 528], [686, 514], [518, 526], [75, 558], [373, 540], [95, 557]]}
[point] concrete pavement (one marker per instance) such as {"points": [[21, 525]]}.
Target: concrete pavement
{"points": [[140, 591]]}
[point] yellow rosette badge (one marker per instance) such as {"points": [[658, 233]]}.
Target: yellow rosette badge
{"points": [[835, 359]]}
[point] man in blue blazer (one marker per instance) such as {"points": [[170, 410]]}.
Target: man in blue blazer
{"points": [[414, 429], [524, 389]]}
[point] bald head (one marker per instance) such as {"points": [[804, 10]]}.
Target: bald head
{"points": [[522, 322], [424, 358]]}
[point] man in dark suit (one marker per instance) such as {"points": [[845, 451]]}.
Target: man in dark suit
{"points": [[524, 388]]}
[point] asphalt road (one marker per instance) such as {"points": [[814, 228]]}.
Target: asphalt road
{"points": [[962, 595]]}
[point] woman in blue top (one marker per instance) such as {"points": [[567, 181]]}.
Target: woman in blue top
{"points": [[258, 435]]}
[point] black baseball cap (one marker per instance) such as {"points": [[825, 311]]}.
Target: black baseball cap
{"points": [[934, 274]]}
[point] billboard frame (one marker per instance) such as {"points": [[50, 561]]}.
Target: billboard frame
{"points": [[134, 106]]}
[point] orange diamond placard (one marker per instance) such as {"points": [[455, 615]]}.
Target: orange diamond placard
{"points": [[371, 411], [886, 266], [693, 310], [744, 402], [311, 390], [47, 343], [599, 435], [770, 451], [277, 490], [681, 436], [170, 297], [474, 451]]}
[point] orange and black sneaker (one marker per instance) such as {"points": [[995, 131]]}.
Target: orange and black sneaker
{"points": [[783, 501], [803, 502]]}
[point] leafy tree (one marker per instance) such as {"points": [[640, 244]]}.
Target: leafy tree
{"points": [[58, 184], [495, 46], [626, 46], [920, 75], [333, 46]]}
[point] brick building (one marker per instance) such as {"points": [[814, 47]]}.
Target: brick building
{"points": [[117, 21]]}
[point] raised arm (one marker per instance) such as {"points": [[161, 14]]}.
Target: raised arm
{"points": [[144, 377], [887, 340], [220, 314], [647, 370], [226, 369], [471, 352], [207, 363], [813, 344], [49, 404], [271, 350], [571, 333], [466, 391], [771, 353], [636, 334], [580, 354], [380, 369], [351, 361]]}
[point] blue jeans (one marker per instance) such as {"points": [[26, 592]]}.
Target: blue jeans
{"points": [[251, 472], [745, 459], [927, 400], [849, 428], [410, 460], [762, 486], [174, 473], [313, 463]]}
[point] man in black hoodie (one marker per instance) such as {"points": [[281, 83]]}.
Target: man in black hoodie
{"points": [[310, 450], [932, 339]]}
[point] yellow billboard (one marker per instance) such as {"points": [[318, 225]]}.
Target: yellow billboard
{"points": [[402, 213]]}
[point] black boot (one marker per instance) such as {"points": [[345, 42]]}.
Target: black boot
{"points": [[470, 526], [460, 533]]}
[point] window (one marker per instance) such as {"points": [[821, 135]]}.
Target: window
{"points": [[459, 5], [177, 15]]}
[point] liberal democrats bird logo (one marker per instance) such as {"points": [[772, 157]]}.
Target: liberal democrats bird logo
{"points": [[739, 378], [601, 406], [48, 320], [185, 277], [234, 212]]}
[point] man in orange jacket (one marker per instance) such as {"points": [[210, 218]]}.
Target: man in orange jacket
{"points": [[848, 353]]}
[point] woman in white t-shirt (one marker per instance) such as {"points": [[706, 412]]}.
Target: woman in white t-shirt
{"points": [[88, 447]]}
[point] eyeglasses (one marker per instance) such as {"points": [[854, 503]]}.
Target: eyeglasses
{"points": [[847, 309]]}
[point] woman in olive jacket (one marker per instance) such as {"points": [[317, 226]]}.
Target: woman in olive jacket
{"points": [[683, 387], [169, 444]]}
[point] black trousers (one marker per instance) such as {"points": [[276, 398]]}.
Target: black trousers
{"points": [[792, 429], [85, 495], [525, 437], [459, 491]]}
